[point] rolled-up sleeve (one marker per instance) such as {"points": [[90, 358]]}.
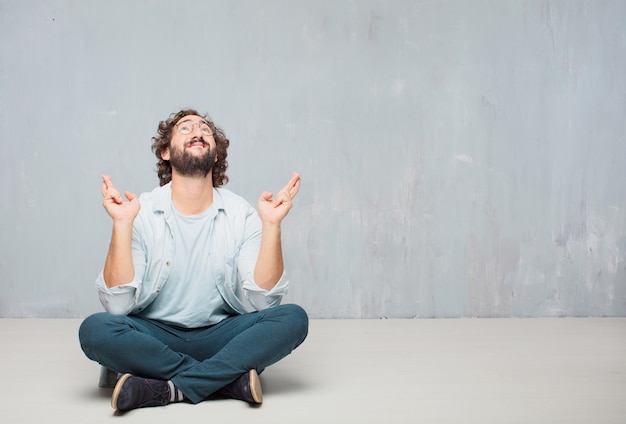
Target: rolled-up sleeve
{"points": [[122, 299], [119, 300], [261, 298], [256, 296]]}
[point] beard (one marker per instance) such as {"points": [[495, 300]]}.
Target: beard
{"points": [[189, 165]]}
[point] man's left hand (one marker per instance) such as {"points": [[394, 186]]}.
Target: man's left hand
{"points": [[273, 210]]}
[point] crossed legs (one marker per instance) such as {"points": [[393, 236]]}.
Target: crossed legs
{"points": [[198, 361]]}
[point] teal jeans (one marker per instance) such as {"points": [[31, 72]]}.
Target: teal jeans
{"points": [[198, 361]]}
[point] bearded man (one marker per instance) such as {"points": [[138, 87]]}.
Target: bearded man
{"points": [[193, 279]]}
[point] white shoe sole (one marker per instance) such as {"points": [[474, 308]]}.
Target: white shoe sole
{"points": [[255, 387], [118, 388]]}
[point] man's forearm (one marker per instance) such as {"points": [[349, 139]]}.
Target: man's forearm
{"points": [[119, 268], [269, 266]]}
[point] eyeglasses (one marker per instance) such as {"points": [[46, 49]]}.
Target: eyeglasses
{"points": [[186, 127]]}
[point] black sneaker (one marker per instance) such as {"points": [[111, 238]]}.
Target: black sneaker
{"points": [[246, 388], [136, 392]]}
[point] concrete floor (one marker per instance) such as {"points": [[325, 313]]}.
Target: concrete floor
{"points": [[358, 371]]}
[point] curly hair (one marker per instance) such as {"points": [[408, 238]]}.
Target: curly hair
{"points": [[161, 142]]}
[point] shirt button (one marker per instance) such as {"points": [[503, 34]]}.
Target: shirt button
{"points": [[168, 263]]}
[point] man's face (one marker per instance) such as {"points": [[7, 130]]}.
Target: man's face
{"points": [[192, 150]]}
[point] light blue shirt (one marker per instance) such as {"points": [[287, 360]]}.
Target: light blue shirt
{"points": [[231, 253], [190, 298]]}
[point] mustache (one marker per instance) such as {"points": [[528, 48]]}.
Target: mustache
{"points": [[199, 140]]}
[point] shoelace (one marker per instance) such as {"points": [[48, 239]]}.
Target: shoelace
{"points": [[160, 394]]}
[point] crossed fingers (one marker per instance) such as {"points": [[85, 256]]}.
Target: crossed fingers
{"points": [[287, 193], [109, 191]]}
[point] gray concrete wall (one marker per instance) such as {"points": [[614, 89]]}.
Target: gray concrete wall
{"points": [[459, 158]]}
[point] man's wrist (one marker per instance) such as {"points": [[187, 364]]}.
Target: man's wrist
{"points": [[270, 227]]}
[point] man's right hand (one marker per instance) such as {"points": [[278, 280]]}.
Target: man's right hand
{"points": [[115, 206]]}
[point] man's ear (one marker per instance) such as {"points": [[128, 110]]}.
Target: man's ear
{"points": [[165, 154]]}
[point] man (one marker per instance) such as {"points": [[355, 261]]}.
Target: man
{"points": [[193, 279]]}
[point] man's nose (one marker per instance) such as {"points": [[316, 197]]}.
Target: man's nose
{"points": [[196, 131]]}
